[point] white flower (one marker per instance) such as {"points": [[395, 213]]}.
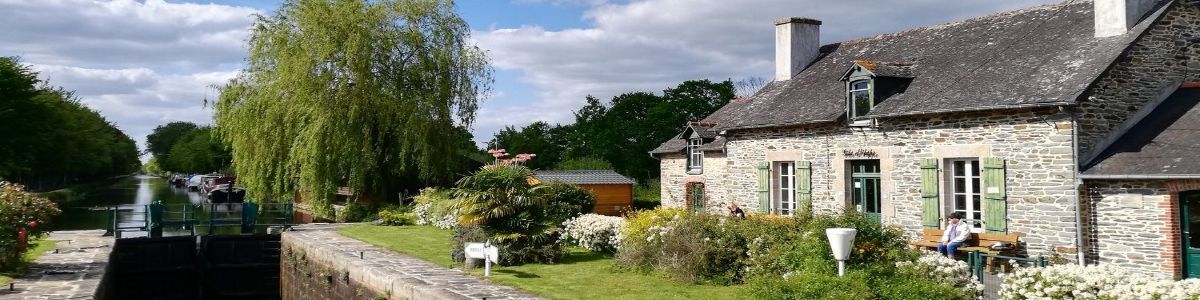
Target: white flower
{"points": [[597, 232]]}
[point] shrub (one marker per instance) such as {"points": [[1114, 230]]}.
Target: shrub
{"points": [[20, 209], [396, 216], [435, 207], [566, 200], [501, 201], [353, 212], [876, 281], [594, 232], [1092, 282], [945, 270], [542, 248], [647, 195]]}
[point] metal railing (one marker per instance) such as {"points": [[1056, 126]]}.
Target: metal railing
{"points": [[988, 267], [153, 218]]}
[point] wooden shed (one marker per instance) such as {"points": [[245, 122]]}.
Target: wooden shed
{"points": [[614, 193]]}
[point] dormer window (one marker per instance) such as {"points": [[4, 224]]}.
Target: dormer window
{"points": [[695, 155], [861, 102]]}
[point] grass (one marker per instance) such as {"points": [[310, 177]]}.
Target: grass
{"points": [[39, 247], [581, 275]]}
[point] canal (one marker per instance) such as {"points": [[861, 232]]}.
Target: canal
{"points": [[90, 209]]}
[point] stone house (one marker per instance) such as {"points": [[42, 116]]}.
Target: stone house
{"points": [[1071, 124]]}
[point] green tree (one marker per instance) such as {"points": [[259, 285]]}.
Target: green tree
{"points": [[352, 93], [198, 152], [163, 138], [583, 163], [538, 138]]}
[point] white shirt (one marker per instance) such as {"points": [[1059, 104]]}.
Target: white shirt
{"points": [[962, 231]]}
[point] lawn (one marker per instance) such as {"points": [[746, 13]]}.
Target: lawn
{"points": [[39, 247], [581, 275]]}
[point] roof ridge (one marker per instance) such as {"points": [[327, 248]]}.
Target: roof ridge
{"points": [[1047, 6]]}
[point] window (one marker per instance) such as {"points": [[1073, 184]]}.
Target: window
{"points": [[695, 196], [695, 155], [859, 96], [965, 192], [786, 193]]}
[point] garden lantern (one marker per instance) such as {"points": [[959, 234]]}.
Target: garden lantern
{"points": [[840, 240]]}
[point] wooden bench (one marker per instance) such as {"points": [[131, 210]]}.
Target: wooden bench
{"points": [[930, 238]]}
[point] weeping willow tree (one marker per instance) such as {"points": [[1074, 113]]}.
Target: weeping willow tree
{"points": [[364, 94]]}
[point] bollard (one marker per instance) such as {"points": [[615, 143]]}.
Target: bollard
{"points": [[360, 255]]}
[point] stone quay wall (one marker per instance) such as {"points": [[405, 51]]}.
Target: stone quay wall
{"points": [[318, 263], [1035, 142], [74, 269]]}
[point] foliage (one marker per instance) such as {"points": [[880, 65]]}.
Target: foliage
{"points": [[1104, 281], [354, 212], [943, 269], [51, 139], [198, 151], [435, 207], [647, 195], [152, 167], [511, 212], [876, 281], [372, 95], [565, 200], [583, 163], [20, 209], [396, 216], [636, 121], [594, 232], [163, 138]]}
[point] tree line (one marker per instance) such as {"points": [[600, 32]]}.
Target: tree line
{"points": [[619, 133], [185, 147], [49, 139]]}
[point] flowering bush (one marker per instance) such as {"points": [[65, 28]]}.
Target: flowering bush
{"points": [[595, 232], [435, 207], [1092, 282], [20, 210], [399, 216], [943, 269]]}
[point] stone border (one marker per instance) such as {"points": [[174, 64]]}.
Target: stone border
{"points": [[72, 270], [388, 273]]}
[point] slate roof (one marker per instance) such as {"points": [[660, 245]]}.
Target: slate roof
{"points": [[713, 142], [583, 177], [1041, 56], [1164, 143]]}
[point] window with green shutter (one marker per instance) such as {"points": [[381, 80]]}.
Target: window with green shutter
{"points": [[930, 210], [995, 206], [764, 188], [804, 187], [695, 195]]}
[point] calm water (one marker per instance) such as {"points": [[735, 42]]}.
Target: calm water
{"points": [[131, 195]]}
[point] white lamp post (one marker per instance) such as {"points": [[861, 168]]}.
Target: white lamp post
{"points": [[841, 239]]}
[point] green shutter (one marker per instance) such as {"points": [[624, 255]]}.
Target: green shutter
{"points": [[995, 209], [803, 187], [764, 188], [930, 210]]}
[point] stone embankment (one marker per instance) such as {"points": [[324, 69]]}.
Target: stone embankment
{"points": [[72, 270], [319, 263]]}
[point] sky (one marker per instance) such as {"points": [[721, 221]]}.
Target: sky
{"points": [[146, 63]]}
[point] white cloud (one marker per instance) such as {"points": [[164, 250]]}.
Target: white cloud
{"points": [[649, 45]]}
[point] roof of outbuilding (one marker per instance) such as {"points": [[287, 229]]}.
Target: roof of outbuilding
{"points": [[1041, 56], [583, 177], [1165, 142]]}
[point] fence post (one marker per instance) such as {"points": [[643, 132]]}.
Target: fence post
{"points": [[1041, 261], [249, 216], [154, 219]]}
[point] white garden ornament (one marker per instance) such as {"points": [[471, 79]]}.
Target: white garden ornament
{"points": [[840, 240]]}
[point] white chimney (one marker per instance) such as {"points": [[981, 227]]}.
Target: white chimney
{"points": [[797, 44], [1115, 17]]}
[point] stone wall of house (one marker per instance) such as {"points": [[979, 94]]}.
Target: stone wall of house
{"points": [[1133, 224], [1165, 56], [1035, 142], [714, 176]]}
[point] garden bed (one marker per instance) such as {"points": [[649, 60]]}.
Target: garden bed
{"points": [[581, 274]]}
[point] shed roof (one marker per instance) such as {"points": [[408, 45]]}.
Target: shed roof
{"points": [[1041, 56], [583, 177], [1166, 142]]}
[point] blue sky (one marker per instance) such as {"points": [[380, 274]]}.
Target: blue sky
{"points": [[143, 63]]}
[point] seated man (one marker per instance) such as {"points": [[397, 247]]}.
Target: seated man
{"points": [[956, 233]]}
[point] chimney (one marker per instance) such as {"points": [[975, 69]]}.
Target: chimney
{"points": [[1115, 17], [797, 43]]}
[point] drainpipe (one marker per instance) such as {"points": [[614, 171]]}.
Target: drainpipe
{"points": [[1077, 183]]}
